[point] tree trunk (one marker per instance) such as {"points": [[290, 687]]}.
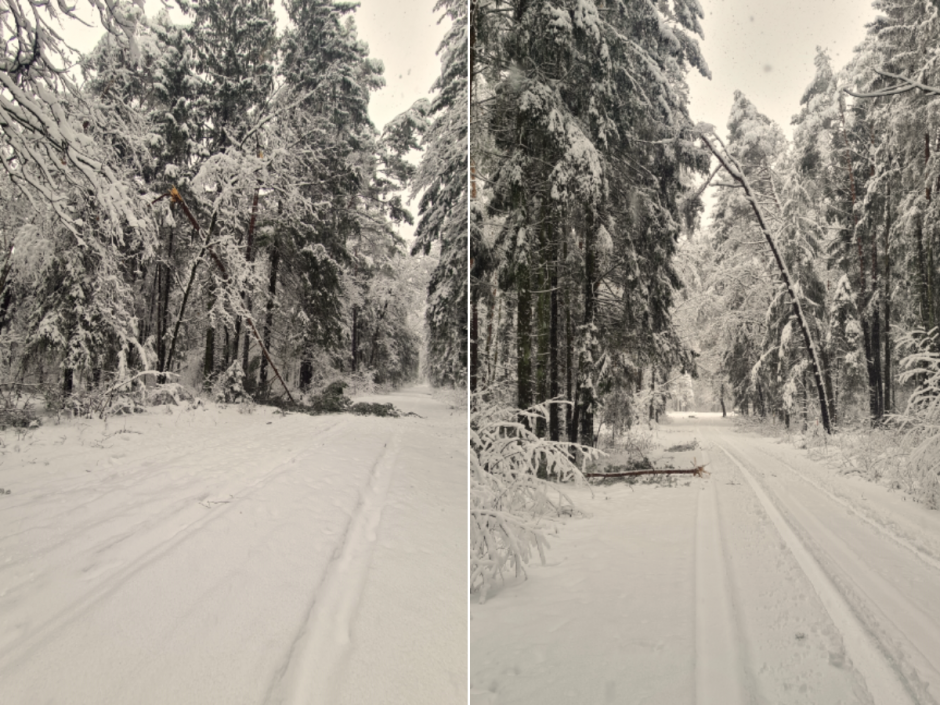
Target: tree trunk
{"points": [[492, 345], [570, 390], [888, 406], [553, 390], [269, 313], [208, 362], [355, 339], [163, 309], [735, 172], [306, 374], [523, 339], [588, 356], [541, 345], [227, 349], [67, 381], [474, 339], [236, 341]]}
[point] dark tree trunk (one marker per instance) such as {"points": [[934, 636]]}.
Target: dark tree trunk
{"points": [[474, 340], [805, 401], [570, 390], [553, 390], [541, 345], [375, 335], [888, 406], [523, 339], [208, 363], [226, 349], [67, 381], [492, 343], [721, 399], [269, 313], [355, 339], [306, 374], [589, 356], [236, 340], [5, 303], [163, 310]]}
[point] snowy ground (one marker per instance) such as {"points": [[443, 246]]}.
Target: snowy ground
{"points": [[210, 556], [773, 580]]}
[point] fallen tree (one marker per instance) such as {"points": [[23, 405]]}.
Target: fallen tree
{"points": [[734, 170]]}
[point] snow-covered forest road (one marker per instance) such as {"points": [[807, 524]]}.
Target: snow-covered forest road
{"points": [[772, 580], [210, 556]]}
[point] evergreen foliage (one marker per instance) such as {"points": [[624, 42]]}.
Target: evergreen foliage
{"points": [[211, 201]]}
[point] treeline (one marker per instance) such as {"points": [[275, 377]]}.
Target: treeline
{"points": [[583, 157], [212, 199]]}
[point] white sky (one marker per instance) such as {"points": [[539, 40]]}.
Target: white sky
{"points": [[765, 48]]}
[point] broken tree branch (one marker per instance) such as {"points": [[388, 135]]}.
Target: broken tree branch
{"points": [[698, 472]]}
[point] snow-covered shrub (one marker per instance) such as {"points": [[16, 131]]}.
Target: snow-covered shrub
{"points": [[920, 421], [16, 409], [230, 388], [872, 453], [361, 382], [509, 503]]}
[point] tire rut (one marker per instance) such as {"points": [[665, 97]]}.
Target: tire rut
{"points": [[317, 656], [881, 672], [21, 647]]}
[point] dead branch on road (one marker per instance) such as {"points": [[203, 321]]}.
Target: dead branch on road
{"points": [[697, 471]]}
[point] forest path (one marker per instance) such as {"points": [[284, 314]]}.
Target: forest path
{"points": [[773, 579], [211, 556]]}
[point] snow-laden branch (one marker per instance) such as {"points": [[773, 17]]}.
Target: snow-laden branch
{"points": [[904, 85]]}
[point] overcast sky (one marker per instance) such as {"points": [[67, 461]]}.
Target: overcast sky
{"points": [[765, 48]]}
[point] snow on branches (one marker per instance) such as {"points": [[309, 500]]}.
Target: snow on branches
{"points": [[510, 503]]}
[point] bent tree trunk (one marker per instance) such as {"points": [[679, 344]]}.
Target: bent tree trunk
{"points": [[734, 170]]}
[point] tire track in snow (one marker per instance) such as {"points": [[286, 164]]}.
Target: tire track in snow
{"points": [[919, 552], [885, 683], [102, 590], [141, 472], [896, 620], [320, 650], [719, 676]]}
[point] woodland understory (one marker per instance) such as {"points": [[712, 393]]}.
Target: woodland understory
{"points": [[208, 203], [602, 293]]}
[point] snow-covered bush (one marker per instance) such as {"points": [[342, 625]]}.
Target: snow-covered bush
{"points": [[920, 421], [509, 503], [230, 388]]}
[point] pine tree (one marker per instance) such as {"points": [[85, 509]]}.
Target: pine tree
{"points": [[441, 181]]}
